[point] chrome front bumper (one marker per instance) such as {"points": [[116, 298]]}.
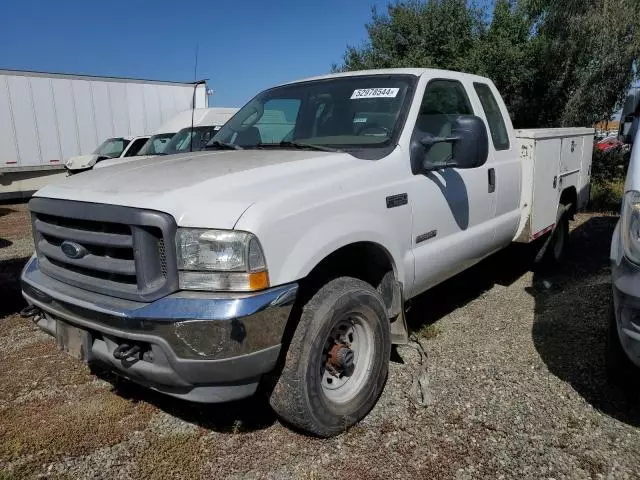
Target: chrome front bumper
{"points": [[198, 346]]}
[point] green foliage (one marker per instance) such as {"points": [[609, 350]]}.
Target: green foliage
{"points": [[556, 63], [433, 34], [609, 166], [606, 196], [608, 171]]}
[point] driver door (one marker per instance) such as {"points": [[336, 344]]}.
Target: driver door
{"points": [[452, 208]]}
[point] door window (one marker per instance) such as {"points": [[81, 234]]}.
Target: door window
{"points": [[135, 147], [491, 109], [442, 103]]}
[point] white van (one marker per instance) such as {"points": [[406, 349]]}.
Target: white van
{"points": [[117, 147]]}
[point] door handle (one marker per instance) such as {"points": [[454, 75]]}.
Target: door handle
{"points": [[492, 180]]}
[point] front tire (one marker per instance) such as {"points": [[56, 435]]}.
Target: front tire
{"points": [[338, 359]]}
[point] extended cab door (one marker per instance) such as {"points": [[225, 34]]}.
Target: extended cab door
{"points": [[452, 208], [505, 164]]}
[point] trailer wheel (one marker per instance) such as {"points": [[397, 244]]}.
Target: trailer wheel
{"points": [[338, 359]]}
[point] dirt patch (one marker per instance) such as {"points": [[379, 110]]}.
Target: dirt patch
{"points": [[45, 430], [176, 456], [15, 221]]}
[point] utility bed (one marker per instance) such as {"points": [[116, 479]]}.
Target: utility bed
{"points": [[553, 160]]}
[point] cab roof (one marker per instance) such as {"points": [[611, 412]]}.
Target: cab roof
{"points": [[431, 72]]}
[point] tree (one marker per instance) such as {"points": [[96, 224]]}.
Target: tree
{"points": [[586, 50], [556, 63], [435, 34], [505, 54]]}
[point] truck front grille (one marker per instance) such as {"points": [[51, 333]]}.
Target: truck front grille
{"points": [[117, 251]]}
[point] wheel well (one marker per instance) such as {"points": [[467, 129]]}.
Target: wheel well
{"points": [[569, 196], [366, 261]]}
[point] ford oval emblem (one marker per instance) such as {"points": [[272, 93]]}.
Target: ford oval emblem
{"points": [[73, 250]]}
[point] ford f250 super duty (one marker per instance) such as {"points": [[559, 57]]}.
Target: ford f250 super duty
{"points": [[283, 254]]}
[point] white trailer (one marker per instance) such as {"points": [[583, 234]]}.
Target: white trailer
{"points": [[45, 118]]}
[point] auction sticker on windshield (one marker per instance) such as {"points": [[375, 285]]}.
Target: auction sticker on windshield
{"points": [[375, 93]]}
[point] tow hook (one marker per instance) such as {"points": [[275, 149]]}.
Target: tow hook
{"points": [[31, 311], [127, 353]]}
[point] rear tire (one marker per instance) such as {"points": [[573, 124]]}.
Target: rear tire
{"points": [[311, 394], [554, 249]]}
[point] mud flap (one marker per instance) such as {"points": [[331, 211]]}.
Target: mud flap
{"points": [[399, 330]]}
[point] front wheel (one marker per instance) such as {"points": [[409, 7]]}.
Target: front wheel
{"points": [[338, 359]]}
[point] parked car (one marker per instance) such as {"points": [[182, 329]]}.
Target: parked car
{"points": [[111, 148], [206, 121], [285, 254], [156, 144], [609, 144]]}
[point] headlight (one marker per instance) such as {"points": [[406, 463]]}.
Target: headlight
{"points": [[220, 260], [631, 226]]}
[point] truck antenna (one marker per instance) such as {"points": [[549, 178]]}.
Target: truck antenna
{"points": [[193, 103]]}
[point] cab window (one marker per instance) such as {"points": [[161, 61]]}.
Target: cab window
{"points": [[442, 103], [491, 109]]}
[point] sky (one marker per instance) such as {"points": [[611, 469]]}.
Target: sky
{"points": [[244, 46]]}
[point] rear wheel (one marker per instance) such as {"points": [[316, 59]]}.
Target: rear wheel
{"points": [[555, 246], [338, 359]]}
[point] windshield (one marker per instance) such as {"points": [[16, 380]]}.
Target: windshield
{"points": [[111, 147], [340, 112], [181, 141], [156, 144]]}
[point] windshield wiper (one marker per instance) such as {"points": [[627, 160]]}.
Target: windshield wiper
{"points": [[217, 144], [300, 145]]}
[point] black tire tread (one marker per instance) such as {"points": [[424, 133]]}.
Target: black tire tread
{"points": [[288, 398]]}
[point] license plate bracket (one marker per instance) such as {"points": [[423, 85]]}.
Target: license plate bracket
{"points": [[72, 340]]}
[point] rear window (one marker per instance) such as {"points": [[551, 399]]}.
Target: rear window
{"points": [[491, 109]]}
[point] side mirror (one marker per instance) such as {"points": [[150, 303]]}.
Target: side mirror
{"points": [[470, 146]]}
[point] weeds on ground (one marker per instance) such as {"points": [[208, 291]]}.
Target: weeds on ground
{"points": [[606, 195], [608, 171], [429, 331]]}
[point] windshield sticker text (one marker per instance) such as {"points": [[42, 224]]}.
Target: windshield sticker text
{"points": [[375, 93]]}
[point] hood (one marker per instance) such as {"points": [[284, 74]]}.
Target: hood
{"points": [[119, 160], [80, 162], [202, 189]]}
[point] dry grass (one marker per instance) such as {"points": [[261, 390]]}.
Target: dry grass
{"points": [[177, 456], [429, 332], [49, 429]]}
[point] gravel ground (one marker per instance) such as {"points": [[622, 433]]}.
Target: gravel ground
{"points": [[512, 384]]}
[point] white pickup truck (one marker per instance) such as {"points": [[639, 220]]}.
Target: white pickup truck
{"points": [[285, 254]]}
